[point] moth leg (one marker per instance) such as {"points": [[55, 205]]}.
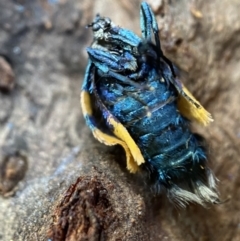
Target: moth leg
{"points": [[124, 38], [148, 24], [144, 69], [105, 60]]}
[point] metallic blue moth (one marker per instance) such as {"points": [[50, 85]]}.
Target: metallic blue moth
{"points": [[132, 97]]}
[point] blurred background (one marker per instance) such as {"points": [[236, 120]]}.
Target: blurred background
{"points": [[56, 181]]}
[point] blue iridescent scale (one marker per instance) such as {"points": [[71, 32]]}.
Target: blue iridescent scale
{"points": [[164, 137]]}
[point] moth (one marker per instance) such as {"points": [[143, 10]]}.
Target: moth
{"points": [[132, 97]]}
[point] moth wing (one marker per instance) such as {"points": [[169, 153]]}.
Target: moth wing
{"points": [[191, 108], [122, 137]]}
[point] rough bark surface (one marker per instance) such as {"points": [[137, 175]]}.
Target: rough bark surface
{"points": [[56, 181]]}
